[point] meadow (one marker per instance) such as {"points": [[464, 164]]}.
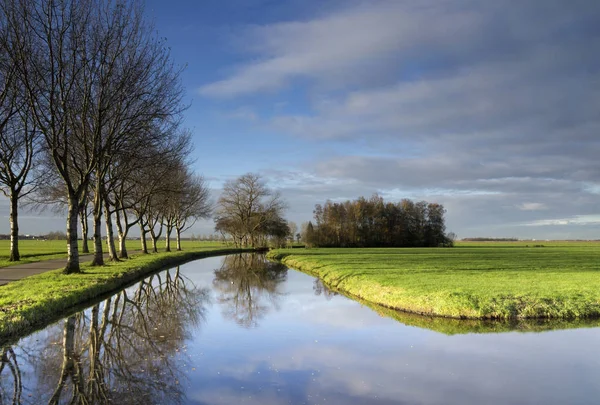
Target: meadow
{"points": [[477, 280], [38, 250]]}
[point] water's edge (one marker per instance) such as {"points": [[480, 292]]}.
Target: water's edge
{"points": [[14, 330], [446, 324]]}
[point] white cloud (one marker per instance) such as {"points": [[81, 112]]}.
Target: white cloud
{"points": [[340, 46], [576, 220], [532, 206], [490, 107]]}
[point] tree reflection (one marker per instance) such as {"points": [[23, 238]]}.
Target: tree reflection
{"points": [[14, 391], [249, 287], [321, 289], [124, 350]]}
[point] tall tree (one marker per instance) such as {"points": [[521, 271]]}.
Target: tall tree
{"points": [[246, 207], [95, 76], [18, 147], [51, 47], [18, 135], [137, 89]]}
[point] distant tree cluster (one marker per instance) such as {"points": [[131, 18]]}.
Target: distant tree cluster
{"points": [[55, 235], [376, 223], [90, 99]]}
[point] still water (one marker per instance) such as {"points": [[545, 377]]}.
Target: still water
{"points": [[240, 330]]}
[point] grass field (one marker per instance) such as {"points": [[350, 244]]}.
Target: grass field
{"points": [[37, 250], [483, 280]]}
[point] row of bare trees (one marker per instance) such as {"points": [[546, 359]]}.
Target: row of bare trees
{"points": [[90, 119]]}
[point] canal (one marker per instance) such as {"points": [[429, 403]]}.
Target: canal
{"points": [[241, 330]]}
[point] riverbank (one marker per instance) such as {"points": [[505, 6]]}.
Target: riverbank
{"points": [[484, 282], [34, 301], [38, 250]]}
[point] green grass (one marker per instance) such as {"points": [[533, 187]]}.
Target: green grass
{"points": [[485, 281], [452, 326], [38, 250], [34, 301]]}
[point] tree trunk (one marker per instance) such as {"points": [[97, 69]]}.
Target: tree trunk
{"points": [[14, 227], [154, 238], [84, 232], [110, 236], [168, 239], [122, 232], [98, 253], [122, 248], [72, 248], [143, 239], [178, 232]]}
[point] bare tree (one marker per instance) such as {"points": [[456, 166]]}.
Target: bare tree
{"points": [[152, 201], [186, 201], [49, 193], [95, 77], [138, 89], [51, 49], [246, 208], [193, 204], [18, 138], [155, 217]]}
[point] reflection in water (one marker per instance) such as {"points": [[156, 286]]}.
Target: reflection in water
{"points": [[249, 287], [143, 346], [121, 351], [9, 362], [321, 289]]}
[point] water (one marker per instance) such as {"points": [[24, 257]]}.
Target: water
{"points": [[239, 330]]}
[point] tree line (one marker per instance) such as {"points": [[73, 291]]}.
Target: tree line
{"points": [[375, 223], [90, 120]]}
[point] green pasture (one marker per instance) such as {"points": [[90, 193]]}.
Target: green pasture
{"points": [[479, 280], [37, 250]]}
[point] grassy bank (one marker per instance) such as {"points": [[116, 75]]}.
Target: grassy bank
{"points": [[34, 301], [38, 250], [478, 282], [452, 326]]}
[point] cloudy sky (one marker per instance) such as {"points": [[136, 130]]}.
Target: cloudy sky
{"points": [[491, 108]]}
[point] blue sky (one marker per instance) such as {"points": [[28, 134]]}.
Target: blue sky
{"points": [[491, 108]]}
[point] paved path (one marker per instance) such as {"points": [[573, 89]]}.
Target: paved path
{"points": [[19, 271]]}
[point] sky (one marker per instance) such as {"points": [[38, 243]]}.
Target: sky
{"points": [[491, 108]]}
